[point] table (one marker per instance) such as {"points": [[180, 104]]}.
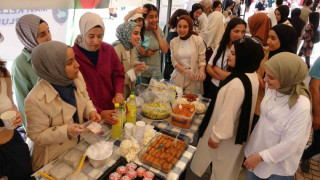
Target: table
{"points": [[95, 173]]}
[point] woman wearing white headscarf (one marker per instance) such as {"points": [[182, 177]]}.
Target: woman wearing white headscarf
{"points": [[100, 66], [31, 31], [58, 104], [213, 32], [128, 34]]}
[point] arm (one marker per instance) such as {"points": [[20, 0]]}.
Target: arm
{"points": [[292, 137], [222, 73], [230, 106], [314, 89], [129, 15], [163, 45]]}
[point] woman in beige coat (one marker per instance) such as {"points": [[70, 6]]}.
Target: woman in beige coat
{"points": [[128, 34], [58, 104], [188, 56]]}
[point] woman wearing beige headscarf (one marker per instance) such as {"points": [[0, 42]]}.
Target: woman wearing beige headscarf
{"points": [[100, 66], [278, 140]]}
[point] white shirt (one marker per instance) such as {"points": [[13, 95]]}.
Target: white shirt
{"points": [[185, 53], [203, 21], [272, 16], [130, 73], [280, 135], [225, 63]]}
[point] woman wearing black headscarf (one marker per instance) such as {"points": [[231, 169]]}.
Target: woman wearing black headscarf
{"points": [[231, 114], [282, 13], [282, 39], [296, 21], [195, 13]]}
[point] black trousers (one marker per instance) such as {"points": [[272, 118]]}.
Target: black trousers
{"points": [[314, 148], [15, 160]]}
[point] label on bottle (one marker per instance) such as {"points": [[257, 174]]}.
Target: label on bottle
{"points": [[132, 113]]}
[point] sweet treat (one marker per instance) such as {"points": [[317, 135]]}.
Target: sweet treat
{"points": [[149, 174], [122, 170], [132, 166], [114, 176], [125, 178], [132, 174], [141, 171]]}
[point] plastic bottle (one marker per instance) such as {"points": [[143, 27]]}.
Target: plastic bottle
{"points": [[116, 131], [172, 94], [197, 89], [154, 73], [132, 109]]}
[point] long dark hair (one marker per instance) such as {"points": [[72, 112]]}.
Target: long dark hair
{"points": [[149, 7], [3, 69], [314, 20], [215, 4], [226, 37], [195, 7], [173, 21]]}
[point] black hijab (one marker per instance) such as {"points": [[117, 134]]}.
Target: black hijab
{"points": [[248, 57], [296, 21], [195, 7], [284, 11], [287, 36]]}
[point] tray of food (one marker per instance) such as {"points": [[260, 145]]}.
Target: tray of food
{"points": [[156, 110], [163, 151], [190, 97], [182, 115], [122, 170]]}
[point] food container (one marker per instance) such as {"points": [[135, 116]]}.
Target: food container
{"points": [[73, 157], [182, 115], [156, 110], [7, 118], [162, 153], [61, 171], [99, 153], [190, 97], [94, 138]]}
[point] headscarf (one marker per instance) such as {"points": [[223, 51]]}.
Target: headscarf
{"points": [[296, 21], [259, 25], [49, 61], [287, 36], [284, 11], [195, 7], [206, 5], [190, 24], [214, 30], [123, 33], [291, 71], [27, 30], [88, 21]]}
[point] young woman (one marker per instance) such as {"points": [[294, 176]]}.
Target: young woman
{"points": [[278, 140], [207, 10], [15, 161], [217, 6], [173, 21], [31, 31], [157, 43], [231, 114], [217, 65], [100, 66], [282, 13], [309, 37], [58, 104], [188, 56], [227, 11], [297, 22], [128, 34], [281, 39], [259, 26], [195, 13]]}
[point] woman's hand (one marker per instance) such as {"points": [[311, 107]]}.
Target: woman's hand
{"points": [[212, 144], [150, 53], [94, 116], [252, 161], [17, 119], [201, 75], [108, 115], [156, 30], [261, 83], [118, 98], [74, 129], [190, 74], [141, 10], [139, 68]]}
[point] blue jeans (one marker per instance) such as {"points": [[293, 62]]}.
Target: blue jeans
{"points": [[251, 176]]}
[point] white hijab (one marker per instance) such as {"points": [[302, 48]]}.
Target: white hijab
{"points": [[87, 22], [214, 30]]}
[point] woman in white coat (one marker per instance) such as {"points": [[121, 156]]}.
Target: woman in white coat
{"points": [[188, 56], [282, 132], [230, 114]]}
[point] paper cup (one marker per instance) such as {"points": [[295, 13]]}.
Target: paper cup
{"points": [[140, 125], [7, 118], [128, 130]]}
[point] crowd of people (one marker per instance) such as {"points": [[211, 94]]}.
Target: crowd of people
{"points": [[260, 115]]}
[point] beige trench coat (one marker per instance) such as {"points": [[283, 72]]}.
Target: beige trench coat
{"points": [[48, 117], [121, 52], [198, 58]]}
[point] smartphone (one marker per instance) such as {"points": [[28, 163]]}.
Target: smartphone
{"points": [[154, 50]]}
